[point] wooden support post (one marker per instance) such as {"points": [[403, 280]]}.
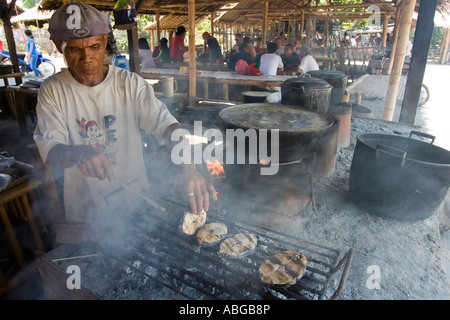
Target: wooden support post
{"points": [[205, 90], [158, 27], [152, 40], [402, 42], [192, 64], [133, 45], [12, 237], [302, 23], [226, 92], [421, 45], [394, 38], [385, 26], [212, 23], [7, 26], [445, 46], [265, 16]]}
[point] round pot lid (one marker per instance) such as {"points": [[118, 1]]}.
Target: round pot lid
{"points": [[307, 82], [256, 94], [285, 118]]}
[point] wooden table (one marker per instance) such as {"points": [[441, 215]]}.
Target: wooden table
{"points": [[16, 99], [218, 77], [325, 61]]}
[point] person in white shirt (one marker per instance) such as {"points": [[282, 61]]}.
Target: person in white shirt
{"points": [[146, 54], [270, 61], [307, 62], [90, 118]]}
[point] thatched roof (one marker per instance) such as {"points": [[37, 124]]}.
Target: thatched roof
{"points": [[33, 15], [173, 13]]}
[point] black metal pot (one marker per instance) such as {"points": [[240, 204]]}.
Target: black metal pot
{"points": [[397, 177], [335, 78], [299, 129], [306, 92]]}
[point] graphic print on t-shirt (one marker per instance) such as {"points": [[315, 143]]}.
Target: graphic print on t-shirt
{"points": [[101, 138]]}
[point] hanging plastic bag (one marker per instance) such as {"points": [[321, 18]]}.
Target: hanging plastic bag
{"points": [[124, 13], [253, 71], [241, 67]]}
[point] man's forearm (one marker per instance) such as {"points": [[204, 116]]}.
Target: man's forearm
{"points": [[63, 156]]}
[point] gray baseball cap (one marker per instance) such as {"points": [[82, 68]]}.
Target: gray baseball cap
{"points": [[76, 20]]}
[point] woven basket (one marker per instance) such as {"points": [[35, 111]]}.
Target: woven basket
{"points": [[125, 18]]}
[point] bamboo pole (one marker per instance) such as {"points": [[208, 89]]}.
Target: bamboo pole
{"points": [[212, 23], [445, 46], [385, 26], [9, 35], [302, 23], [192, 64], [158, 27], [394, 38], [402, 42], [265, 14]]}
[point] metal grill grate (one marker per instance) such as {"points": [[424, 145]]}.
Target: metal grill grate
{"points": [[174, 265]]}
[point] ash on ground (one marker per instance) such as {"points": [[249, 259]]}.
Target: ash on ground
{"points": [[392, 259]]}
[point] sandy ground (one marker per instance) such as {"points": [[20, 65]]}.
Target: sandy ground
{"points": [[415, 246]]}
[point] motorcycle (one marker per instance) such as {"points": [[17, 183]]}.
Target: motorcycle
{"points": [[44, 64]]}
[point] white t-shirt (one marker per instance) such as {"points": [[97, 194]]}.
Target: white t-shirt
{"points": [[308, 63], [109, 117], [146, 57], [269, 64]]}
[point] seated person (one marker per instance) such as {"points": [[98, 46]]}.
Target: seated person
{"points": [[145, 54], [262, 50], [271, 62], [290, 58], [307, 62], [244, 53], [164, 52]]}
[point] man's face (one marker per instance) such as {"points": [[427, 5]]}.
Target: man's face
{"points": [[85, 58], [238, 39]]}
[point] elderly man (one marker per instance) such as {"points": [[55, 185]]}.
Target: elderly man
{"points": [[89, 121]]}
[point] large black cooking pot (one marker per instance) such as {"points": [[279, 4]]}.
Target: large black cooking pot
{"points": [[398, 177], [336, 79], [307, 92], [299, 129]]}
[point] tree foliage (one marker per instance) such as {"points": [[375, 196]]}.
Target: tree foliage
{"points": [[28, 4]]}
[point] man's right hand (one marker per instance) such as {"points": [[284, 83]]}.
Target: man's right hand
{"points": [[91, 162], [95, 165]]}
